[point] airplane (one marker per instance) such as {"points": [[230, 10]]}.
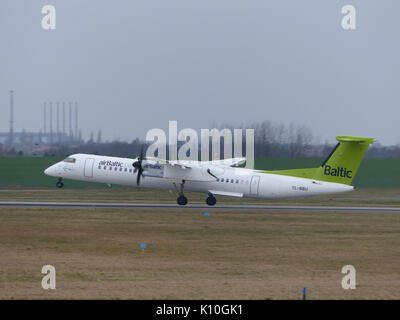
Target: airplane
{"points": [[219, 177]]}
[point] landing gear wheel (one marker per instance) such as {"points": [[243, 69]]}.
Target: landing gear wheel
{"points": [[182, 200], [60, 184], [211, 200]]}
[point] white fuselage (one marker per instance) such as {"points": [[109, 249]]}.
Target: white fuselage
{"points": [[229, 181]]}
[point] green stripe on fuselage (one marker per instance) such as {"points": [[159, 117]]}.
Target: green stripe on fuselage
{"points": [[308, 173]]}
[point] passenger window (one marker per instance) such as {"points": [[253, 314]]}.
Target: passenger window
{"points": [[222, 179], [105, 168], [110, 168], [126, 169], [130, 170], [231, 180], [227, 180], [99, 167], [217, 179], [237, 181], [120, 169]]}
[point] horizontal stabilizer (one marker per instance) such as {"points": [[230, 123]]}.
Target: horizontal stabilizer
{"points": [[225, 193]]}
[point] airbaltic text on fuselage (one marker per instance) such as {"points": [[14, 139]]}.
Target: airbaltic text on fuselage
{"points": [[338, 172], [110, 163]]}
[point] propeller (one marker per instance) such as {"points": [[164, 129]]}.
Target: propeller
{"points": [[138, 166]]}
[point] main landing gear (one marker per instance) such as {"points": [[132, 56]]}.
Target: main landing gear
{"points": [[59, 183], [211, 200], [181, 200]]}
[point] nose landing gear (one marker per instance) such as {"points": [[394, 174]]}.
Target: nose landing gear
{"points": [[59, 183]]}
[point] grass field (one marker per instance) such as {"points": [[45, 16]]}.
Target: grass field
{"points": [[227, 255], [19, 172]]}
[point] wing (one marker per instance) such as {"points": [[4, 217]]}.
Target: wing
{"points": [[184, 170], [232, 162]]}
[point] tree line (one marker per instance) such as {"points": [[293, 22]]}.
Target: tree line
{"points": [[270, 140]]}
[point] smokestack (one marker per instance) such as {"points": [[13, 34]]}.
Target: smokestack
{"points": [[44, 117], [76, 119], [58, 122], [70, 121], [63, 117], [51, 122], [11, 137]]}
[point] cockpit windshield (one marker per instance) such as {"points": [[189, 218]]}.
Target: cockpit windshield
{"points": [[70, 160]]}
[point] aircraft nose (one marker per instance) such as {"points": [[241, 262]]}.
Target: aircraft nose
{"points": [[49, 171]]}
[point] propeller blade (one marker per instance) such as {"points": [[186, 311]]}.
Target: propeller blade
{"points": [[140, 174], [141, 154], [138, 166]]}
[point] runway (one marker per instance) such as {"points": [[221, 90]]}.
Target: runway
{"points": [[195, 206]]}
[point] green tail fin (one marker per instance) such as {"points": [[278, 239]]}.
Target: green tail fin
{"points": [[340, 166]]}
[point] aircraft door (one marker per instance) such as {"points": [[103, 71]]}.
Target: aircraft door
{"points": [[88, 171], [255, 180]]}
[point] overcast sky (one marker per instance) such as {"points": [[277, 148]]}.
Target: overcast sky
{"points": [[132, 65]]}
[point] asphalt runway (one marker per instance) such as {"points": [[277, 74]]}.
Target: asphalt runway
{"points": [[195, 206]]}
